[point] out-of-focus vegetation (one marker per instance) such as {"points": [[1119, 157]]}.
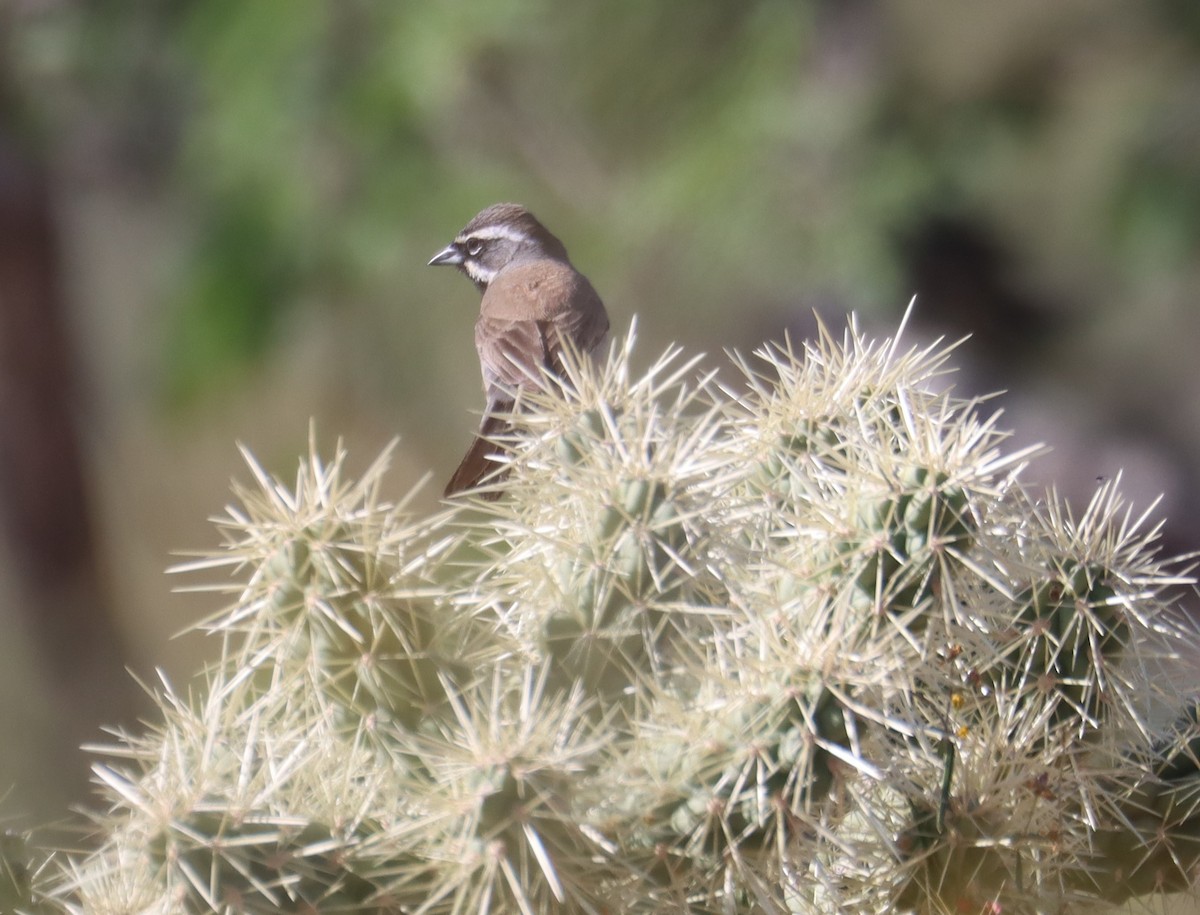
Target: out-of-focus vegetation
{"points": [[244, 195]]}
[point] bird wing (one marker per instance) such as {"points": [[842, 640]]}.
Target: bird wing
{"points": [[527, 311]]}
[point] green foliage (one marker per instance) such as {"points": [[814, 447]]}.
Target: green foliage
{"points": [[798, 644], [693, 154]]}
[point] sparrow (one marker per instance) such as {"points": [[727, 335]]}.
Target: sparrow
{"points": [[533, 300]]}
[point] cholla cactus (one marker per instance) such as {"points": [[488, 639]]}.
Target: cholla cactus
{"points": [[802, 644]]}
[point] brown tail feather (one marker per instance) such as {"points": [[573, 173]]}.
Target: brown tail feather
{"points": [[479, 464]]}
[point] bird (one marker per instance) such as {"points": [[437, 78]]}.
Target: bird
{"points": [[534, 301]]}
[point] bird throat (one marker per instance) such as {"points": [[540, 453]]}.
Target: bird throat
{"points": [[479, 274]]}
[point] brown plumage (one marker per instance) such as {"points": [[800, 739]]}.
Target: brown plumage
{"points": [[533, 299]]}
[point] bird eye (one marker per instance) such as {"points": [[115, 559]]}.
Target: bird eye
{"points": [[474, 246]]}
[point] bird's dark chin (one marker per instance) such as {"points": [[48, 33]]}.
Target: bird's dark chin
{"points": [[448, 257]]}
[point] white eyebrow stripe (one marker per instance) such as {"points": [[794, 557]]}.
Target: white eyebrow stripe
{"points": [[490, 232]]}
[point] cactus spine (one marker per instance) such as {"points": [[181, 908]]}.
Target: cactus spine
{"points": [[806, 647]]}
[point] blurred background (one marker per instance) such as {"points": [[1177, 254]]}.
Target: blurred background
{"points": [[215, 219]]}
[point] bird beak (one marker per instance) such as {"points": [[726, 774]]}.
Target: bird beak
{"points": [[448, 256]]}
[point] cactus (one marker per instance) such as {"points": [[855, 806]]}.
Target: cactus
{"points": [[797, 644]]}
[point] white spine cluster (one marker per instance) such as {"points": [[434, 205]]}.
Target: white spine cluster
{"points": [[795, 642]]}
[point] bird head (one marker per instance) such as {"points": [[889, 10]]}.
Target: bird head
{"points": [[503, 234]]}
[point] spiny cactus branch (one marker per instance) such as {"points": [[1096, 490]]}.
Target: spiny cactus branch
{"points": [[798, 641]]}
